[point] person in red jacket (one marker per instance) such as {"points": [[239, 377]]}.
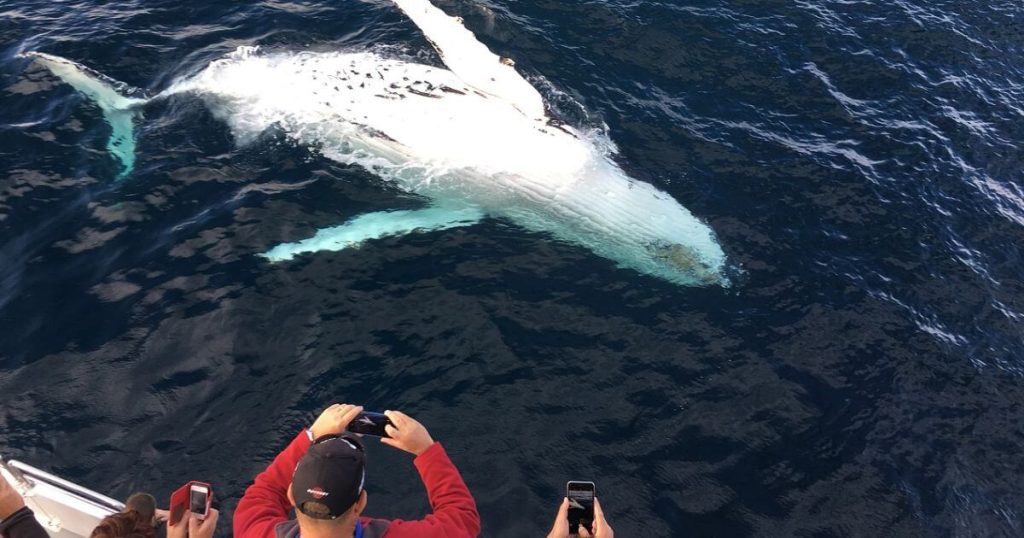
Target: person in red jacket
{"points": [[321, 474]]}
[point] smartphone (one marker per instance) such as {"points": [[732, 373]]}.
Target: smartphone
{"points": [[581, 505], [369, 423], [199, 499]]}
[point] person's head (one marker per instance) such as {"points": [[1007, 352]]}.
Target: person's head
{"points": [[129, 524], [144, 504], [327, 487]]}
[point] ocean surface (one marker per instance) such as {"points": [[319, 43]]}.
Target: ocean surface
{"points": [[860, 162]]}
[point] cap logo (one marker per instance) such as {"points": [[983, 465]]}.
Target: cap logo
{"points": [[317, 492]]}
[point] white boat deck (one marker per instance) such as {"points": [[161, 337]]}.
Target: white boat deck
{"points": [[64, 509]]}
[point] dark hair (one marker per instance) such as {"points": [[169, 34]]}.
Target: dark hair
{"points": [[143, 503], [316, 510], [128, 524]]}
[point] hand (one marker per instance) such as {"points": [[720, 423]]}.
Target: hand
{"points": [[181, 529], [561, 527], [203, 528], [334, 419], [406, 434], [601, 527], [161, 515], [10, 500]]}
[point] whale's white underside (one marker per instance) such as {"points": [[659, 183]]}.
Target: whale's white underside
{"points": [[473, 139]]}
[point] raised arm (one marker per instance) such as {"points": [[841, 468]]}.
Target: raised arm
{"points": [[454, 510]]}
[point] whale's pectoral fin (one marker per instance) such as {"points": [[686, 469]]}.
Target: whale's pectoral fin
{"points": [[376, 225], [471, 60]]}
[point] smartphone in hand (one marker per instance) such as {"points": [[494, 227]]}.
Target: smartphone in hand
{"points": [[581, 505], [194, 497], [370, 423], [199, 498]]}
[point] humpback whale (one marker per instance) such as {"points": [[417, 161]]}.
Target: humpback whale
{"points": [[473, 138]]}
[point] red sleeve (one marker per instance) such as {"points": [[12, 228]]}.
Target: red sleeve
{"points": [[265, 503], [455, 514]]}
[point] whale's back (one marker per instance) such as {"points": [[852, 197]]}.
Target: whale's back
{"points": [[413, 113]]}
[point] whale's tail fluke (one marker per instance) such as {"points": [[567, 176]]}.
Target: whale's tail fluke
{"points": [[119, 110]]}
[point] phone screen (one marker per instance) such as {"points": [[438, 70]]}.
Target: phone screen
{"points": [[197, 500], [368, 423], [581, 505]]}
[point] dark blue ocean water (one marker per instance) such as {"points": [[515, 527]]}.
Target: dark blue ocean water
{"points": [[860, 162]]}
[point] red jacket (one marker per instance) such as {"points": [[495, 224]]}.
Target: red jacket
{"points": [[263, 510]]}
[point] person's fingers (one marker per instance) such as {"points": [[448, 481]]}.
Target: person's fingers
{"points": [[391, 430], [162, 515], [598, 513], [563, 511], [405, 418], [561, 525], [331, 410], [584, 533], [210, 522], [395, 418], [349, 414], [390, 442]]}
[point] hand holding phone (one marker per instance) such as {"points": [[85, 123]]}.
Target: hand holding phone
{"points": [[581, 505], [204, 528], [199, 499], [406, 433], [334, 420], [599, 526], [370, 423], [194, 497]]}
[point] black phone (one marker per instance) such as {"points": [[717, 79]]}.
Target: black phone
{"points": [[581, 505], [370, 423]]}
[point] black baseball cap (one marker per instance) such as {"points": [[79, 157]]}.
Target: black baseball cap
{"points": [[331, 474]]}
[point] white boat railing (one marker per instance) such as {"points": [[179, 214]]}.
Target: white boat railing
{"points": [[65, 509]]}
